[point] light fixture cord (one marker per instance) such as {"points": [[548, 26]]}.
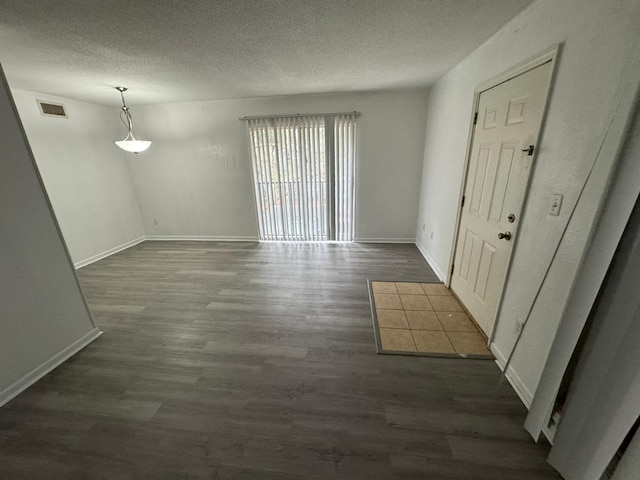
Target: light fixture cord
{"points": [[124, 122], [129, 122], [125, 109]]}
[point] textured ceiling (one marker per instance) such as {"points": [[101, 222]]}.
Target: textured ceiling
{"points": [[182, 50]]}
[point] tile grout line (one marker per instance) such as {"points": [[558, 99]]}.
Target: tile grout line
{"points": [[452, 345]]}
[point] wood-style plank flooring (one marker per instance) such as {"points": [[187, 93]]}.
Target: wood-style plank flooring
{"points": [[257, 361]]}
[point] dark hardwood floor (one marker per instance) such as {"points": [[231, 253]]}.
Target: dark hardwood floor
{"points": [[257, 361]]}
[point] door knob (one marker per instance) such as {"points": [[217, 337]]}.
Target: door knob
{"points": [[504, 236]]}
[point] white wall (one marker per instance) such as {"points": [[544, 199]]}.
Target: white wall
{"points": [[597, 40], [604, 396], [629, 466], [86, 175], [43, 317], [195, 180]]}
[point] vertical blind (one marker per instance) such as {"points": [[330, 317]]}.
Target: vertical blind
{"points": [[345, 147], [303, 177]]}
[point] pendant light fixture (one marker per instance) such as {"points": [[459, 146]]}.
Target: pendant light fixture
{"points": [[130, 143]]}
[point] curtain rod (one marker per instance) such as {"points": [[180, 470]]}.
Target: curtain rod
{"points": [[260, 117]]}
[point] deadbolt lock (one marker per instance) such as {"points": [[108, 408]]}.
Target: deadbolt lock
{"points": [[504, 236], [511, 218], [529, 150]]}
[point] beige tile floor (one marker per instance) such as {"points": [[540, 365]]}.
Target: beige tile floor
{"points": [[424, 318]]}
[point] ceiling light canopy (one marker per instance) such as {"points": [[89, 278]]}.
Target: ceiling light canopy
{"points": [[130, 143]]}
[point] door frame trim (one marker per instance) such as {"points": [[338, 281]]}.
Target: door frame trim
{"points": [[545, 56]]}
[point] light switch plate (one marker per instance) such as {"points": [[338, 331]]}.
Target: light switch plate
{"points": [[555, 204]]}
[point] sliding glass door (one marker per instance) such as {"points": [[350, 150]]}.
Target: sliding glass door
{"points": [[303, 170]]}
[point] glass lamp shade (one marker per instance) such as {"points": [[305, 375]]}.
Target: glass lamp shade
{"points": [[133, 146], [130, 143]]}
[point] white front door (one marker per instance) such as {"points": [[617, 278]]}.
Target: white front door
{"points": [[507, 123]]}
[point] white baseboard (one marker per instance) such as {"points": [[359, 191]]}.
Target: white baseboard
{"points": [[37, 373], [385, 240], [431, 262], [200, 238], [124, 246], [518, 385], [196, 238], [548, 433], [107, 253], [192, 238]]}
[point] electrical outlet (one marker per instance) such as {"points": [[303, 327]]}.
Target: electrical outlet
{"points": [[155, 221], [424, 225], [555, 204]]}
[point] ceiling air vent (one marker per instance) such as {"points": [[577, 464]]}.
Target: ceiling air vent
{"points": [[49, 109]]}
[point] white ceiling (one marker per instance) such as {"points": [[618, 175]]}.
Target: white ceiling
{"points": [[182, 50]]}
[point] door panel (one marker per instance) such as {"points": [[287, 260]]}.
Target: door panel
{"points": [[503, 175], [484, 269], [479, 178], [509, 116], [469, 240]]}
